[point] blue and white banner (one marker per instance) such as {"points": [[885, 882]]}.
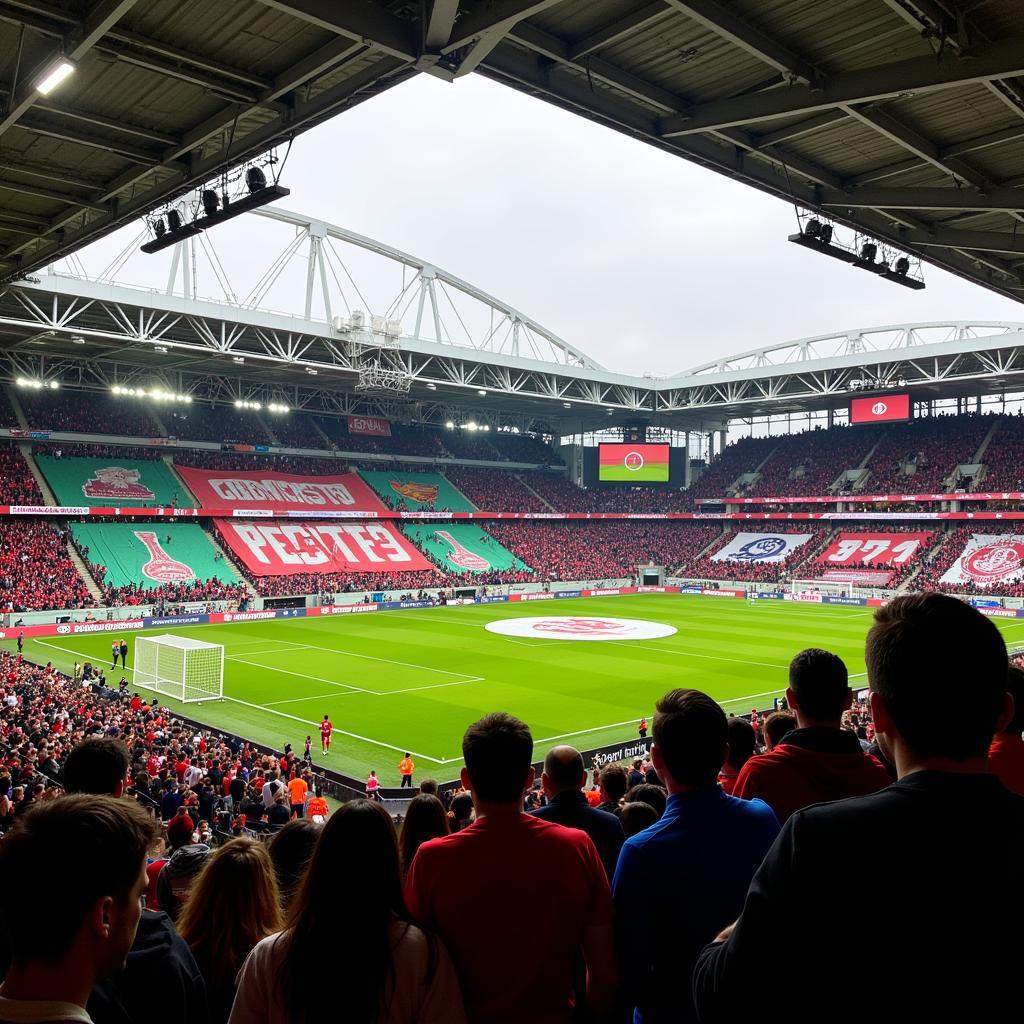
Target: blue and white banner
{"points": [[760, 547]]}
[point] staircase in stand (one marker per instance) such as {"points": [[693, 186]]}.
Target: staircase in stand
{"points": [[536, 494]]}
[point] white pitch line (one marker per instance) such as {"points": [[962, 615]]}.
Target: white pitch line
{"points": [[694, 654], [256, 654], [373, 657], [304, 675], [432, 686], [295, 700], [342, 732]]}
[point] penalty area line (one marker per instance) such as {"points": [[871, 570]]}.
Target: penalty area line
{"points": [[342, 732]]}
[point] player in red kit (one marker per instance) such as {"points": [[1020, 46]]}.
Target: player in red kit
{"points": [[326, 728]]}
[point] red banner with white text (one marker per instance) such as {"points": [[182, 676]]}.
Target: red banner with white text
{"points": [[372, 425], [859, 551], [287, 547], [280, 493]]}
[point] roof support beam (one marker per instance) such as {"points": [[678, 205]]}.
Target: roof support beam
{"points": [[480, 32], [613, 31], [57, 197], [923, 199], [440, 22], [909, 138], [723, 22], [803, 127], [359, 20], [953, 238], [920, 74], [102, 15]]}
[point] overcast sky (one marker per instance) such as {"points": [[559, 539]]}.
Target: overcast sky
{"points": [[646, 262]]}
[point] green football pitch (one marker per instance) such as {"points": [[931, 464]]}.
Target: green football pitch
{"points": [[413, 680]]}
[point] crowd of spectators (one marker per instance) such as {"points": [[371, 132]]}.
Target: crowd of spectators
{"points": [[655, 894], [404, 439], [36, 571], [295, 430], [952, 547], [86, 412], [1004, 457], [462, 444], [240, 462], [743, 456], [706, 567], [198, 421], [525, 448], [495, 490], [17, 484], [92, 450]]}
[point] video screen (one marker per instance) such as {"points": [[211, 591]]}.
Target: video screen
{"points": [[880, 409], [633, 463]]}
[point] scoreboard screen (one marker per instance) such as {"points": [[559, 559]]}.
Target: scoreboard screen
{"points": [[880, 409], [633, 463]]}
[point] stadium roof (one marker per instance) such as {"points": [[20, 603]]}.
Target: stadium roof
{"points": [[900, 118]]}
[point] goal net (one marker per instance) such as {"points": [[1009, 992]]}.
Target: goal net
{"points": [[829, 587], [180, 667]]}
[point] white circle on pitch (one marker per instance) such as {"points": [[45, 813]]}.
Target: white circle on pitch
{"points": [[580, 627]]}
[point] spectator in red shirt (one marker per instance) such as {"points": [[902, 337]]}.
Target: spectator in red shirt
{"points": [[817, 761], [514, 956], [742, 744], [1006, 754]]}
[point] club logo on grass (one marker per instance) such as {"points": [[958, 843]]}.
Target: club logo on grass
{"points": [[577, 627], [423, 493], [116, 482]]}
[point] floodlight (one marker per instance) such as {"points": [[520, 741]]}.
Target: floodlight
{"points": [[54, 75]]}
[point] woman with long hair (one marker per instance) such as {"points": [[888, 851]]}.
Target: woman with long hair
{"points": [[349, 915], [234, 904], [290, 850], [425, 819]]}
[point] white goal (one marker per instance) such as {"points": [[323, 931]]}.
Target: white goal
{"points": [[830, 587], [180, 667]]}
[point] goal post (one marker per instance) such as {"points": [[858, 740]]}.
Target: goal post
{"points": [[831, 587], [180, 667]]}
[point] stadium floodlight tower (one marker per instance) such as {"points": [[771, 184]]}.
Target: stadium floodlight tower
{"points": [[177, 666]]}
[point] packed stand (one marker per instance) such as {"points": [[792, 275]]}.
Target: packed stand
{"points": [[760, 571], [1004, 457], [524, 448], [296, 430], [598, 550], [237, 462], [17, 484], [200, 422], [494, 490], [930, 576], [86, 412], [565, 496], [92, 450], [462, 444], [35, 570], [742, 457], [404, 440], [809, 463], [934, 446]]}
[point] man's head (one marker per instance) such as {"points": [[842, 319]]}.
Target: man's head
{"points": [[819, 690], [429, 786], [689, 739], [563, 771], [614, 782], [938, 675], [90, 924], [97, 766], [1015, 688], [776, 725], [742, 742], [497, 751]]}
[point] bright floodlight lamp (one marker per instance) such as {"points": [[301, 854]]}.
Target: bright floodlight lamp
{"points": [[813, 228], [868, 252], [825, 235], [210, 201], [255, 179], [174, 220], [902, 266], [54, 74], [159, 227]]}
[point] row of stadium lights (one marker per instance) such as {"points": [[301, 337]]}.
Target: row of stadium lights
{"points": [[259, 406], [36, 385], [156, 394]]}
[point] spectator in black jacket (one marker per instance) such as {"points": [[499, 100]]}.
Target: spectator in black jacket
{"points": [[160, 983], [940, 850], [563, 780]]}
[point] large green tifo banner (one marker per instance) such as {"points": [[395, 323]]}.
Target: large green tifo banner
{"points": [[415, 491], [152, 554], [114, 481], [463, 548]]}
